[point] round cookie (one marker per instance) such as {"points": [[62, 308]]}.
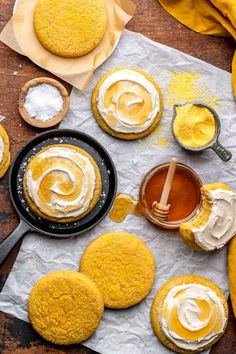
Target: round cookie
{"points": [[158, 302], [96, 194], [232, 272], [70, 28], [122, 266], [103, 124], [65, 307], [186, 229], [5, 152]]}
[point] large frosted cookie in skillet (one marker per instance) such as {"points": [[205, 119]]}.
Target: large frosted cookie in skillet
{"points": [[62, 183], [65, 307], [122, 266], [215, 224], [4, 151], [189, 314], [127, 103], [70, 28]]}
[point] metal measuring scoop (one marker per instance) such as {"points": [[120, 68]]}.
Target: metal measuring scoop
{"points": [[214, 144]]}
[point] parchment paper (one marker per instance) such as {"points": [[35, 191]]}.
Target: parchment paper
{"points": [[76, 71], [129, 331]]}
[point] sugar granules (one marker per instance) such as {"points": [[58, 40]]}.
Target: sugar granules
{"points": [[43, 102]]}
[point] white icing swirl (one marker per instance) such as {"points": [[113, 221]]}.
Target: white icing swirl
{"points": [[221, 225], [1, 149], [198, 310], [134, 83], [69, 178]]}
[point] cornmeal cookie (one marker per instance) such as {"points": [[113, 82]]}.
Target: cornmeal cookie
{"points": [[70, 28], [232, 272], [127, 103], [214, 225], [189, 314], [122, 266], [65, 307], [4, 151], [62, 183]]}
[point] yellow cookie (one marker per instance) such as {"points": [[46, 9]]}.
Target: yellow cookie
{"points": [[127, 103], [65, 307], [4, 151], [217, 198], [70, 28], [122, 266], [232, 272], [189, 314], [62, 183]]}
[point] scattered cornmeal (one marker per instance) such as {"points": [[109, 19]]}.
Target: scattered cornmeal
{"points": [[188, 87], [65, 307], [194, 126], [122, 266]]}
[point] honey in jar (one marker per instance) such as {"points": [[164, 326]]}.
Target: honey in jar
{"points": [[184, 197]]}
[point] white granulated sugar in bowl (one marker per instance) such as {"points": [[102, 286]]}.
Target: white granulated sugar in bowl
{"points": [[43, 102]]}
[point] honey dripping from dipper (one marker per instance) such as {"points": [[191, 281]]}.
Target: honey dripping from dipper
{"points": [[162, 209], [170, 193]]}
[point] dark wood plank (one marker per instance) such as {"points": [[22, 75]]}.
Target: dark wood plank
{"points": [[151, 20]]}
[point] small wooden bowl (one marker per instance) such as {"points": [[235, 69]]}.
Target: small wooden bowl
{"points": [[53, 121]]}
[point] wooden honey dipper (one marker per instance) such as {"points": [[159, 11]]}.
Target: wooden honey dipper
{"points": [[161, 210]]}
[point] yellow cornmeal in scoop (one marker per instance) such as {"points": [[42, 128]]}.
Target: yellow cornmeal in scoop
{"points": [[194, 126], [70, 28]]}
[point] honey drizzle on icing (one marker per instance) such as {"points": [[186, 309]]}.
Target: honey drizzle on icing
{"points": [[123, 206], [208, 312], [131, 100]]}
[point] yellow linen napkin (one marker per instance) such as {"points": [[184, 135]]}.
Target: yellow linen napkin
{"points": [[214, 17]]}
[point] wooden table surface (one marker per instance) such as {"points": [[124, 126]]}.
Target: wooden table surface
{"points": [[151, 20]]}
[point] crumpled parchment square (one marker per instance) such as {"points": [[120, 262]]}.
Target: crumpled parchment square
{"points": [[76, 71], [129, 331]]}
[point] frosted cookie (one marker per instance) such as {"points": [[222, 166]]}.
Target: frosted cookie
{"points": [[70, 28], [189, 314], [4, 151], [65, 307], [122, 266], [127, 103], [215, 224], [62, 183]]}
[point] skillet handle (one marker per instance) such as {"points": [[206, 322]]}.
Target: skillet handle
{"points": [[11, 240]]}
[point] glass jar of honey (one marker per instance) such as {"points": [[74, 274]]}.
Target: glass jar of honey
{"points": [[184, 197]]}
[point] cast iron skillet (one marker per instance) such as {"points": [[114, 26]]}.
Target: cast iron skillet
{"points": [[30, 221]]}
